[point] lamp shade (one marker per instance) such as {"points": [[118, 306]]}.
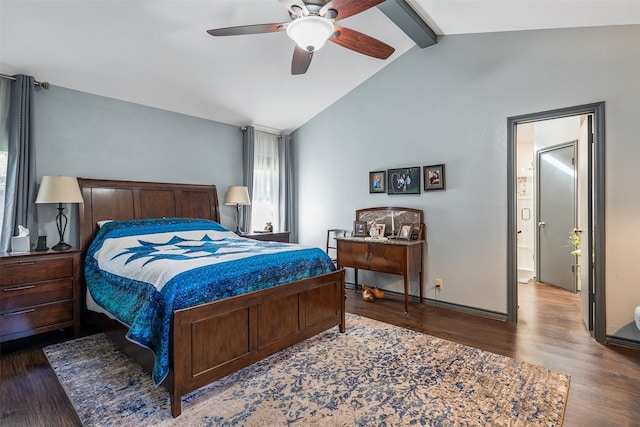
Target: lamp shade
{"points": [[59, 189], [310, 32], [237, 195]]}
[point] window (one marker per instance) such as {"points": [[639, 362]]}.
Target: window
{"points": [[266, 182]]}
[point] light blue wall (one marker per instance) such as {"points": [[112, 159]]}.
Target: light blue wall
{"points": [[449, 104], [89, 136]]}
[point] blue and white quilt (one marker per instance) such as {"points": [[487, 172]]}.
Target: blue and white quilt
{"points": [[140, 271]]}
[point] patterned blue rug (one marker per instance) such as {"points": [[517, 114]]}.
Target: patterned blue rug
{"points": [[375, 374]]}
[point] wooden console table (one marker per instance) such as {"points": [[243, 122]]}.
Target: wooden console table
{"points": [[395, 256]]}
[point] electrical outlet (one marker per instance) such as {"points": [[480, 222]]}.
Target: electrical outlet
{"points": [[439, 284]]}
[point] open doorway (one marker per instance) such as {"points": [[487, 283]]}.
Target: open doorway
{"points": [[551, 202], [556, 206]]}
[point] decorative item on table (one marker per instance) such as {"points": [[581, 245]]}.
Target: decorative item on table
{"points": [[404, 180], [373, 231], [60, 189], [434, 178], [359, 228], [268, 228], [20, 243], [377, 182], [405, 232], [237, 195], [42, 244], [380, 231], [393, 227]]}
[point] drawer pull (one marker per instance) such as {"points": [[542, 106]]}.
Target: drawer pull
{"points": [[20, 263], [30, 310], [18, 288]]}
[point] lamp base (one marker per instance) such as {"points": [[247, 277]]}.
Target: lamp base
{"points": [[62, 246], [61, 224]]}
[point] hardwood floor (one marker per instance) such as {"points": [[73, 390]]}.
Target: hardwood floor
{"points": [[30, 394], [605, 380]]}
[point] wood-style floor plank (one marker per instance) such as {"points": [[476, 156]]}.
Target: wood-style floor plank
{"points": [[30, 394], [605, 380]]}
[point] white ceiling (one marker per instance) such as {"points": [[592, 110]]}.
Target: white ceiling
{"points": [[157, 53]]}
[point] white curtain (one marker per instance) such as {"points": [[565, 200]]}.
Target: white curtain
{"points": [[266, 183]]}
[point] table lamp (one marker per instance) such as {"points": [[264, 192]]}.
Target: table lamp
{"points": [[60, 189], [237, 195]]}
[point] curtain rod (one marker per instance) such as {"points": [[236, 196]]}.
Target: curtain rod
{"points": [[43, 85], [261, 128]]}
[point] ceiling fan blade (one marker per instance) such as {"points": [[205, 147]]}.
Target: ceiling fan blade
{"points": [[347, 8], [289, 4], [249, 29], [301, 60], [361, 43]]}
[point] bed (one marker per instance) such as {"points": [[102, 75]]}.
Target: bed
{"points": [[212, 339]]}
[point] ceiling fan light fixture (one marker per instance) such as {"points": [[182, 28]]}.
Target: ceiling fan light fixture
{"points": [[310, 32]]}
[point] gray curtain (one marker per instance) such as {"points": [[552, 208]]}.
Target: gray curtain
{"points": [[20, 193], [248, 148], [5, 101], [285, 202]]}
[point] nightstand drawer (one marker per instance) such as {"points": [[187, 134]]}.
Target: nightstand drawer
{"points": [[35, 269], [36, 317], [16, 297]]}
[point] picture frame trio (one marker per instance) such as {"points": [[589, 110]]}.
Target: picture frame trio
{"points": [[407, 180]]}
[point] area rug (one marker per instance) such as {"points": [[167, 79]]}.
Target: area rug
{"points": [[374, 374]]}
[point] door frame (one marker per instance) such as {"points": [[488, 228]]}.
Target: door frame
{"points": [[595, 229]]}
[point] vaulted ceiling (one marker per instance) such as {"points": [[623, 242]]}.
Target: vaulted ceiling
{"points": [[157, 53]]}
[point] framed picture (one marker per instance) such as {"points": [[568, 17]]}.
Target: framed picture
{"points": [[404, 180], [377, 182], [360, 229], [405, 232], [380, 230], [434, 177]]}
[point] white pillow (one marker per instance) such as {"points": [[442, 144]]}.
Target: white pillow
{"points": [[101, 223]]}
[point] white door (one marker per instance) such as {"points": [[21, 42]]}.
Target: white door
{"points": [[556, 215]]}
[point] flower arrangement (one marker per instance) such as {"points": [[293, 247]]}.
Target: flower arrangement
{"points": [[574, 241]]}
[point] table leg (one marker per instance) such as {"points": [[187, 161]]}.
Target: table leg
{"points": [[406, 293], [355, 274], [420, 275]]}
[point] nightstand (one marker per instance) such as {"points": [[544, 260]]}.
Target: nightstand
{"points": [[39, 292], [272, 237]]}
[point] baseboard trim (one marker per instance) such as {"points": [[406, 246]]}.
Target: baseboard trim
{"points": [[622, 342], [451, 306], [467, 309]]}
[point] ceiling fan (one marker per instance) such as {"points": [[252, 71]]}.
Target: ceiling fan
{"points": [[313, 23]]}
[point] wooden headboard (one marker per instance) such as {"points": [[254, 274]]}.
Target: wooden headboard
{"points": [[109, 199]]}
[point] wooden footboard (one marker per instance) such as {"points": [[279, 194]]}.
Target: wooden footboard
{"points": [[213, 340]]}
